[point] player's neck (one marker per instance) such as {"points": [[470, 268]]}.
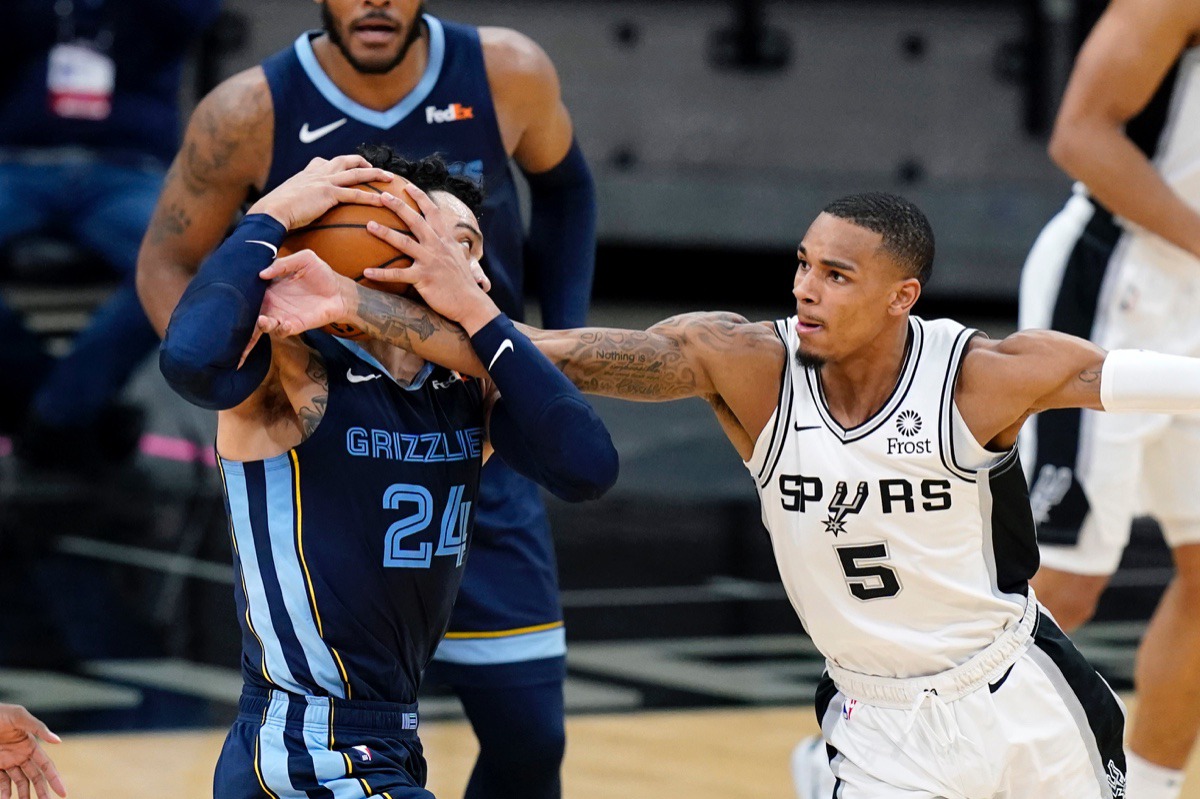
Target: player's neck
{"points": [[400, 364], [377, 92], [857, 386]]}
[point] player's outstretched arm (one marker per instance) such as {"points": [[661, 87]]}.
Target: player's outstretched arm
{"points": [[203, 355], [1004, 382], [23, 762], [1121, 65]]}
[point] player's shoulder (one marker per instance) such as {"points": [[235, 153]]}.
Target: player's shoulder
{"points": [[240, 100], [514, 59]]}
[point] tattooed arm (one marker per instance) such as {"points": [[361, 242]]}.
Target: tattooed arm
{"points": [[1003, 382], [225, 154]]}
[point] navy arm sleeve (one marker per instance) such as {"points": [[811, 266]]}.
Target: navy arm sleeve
{"points": [[562, 239], [216, 317], [541, 425]]}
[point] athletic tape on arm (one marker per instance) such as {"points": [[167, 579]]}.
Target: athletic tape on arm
{"points": [[1149, 382]]}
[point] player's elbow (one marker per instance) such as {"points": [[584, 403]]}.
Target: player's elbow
{"points": [[593, 469]]}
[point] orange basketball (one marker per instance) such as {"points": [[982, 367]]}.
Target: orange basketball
{"points": [[341, 239]]}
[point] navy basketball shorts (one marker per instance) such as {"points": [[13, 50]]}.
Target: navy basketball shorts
{"points": [[288, 746]]}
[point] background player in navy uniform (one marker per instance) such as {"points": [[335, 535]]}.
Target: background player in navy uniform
{"points": [[351, 479], [1120, 264], [382, 72]]}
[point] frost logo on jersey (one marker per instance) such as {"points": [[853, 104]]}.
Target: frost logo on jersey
{"points": [[454, 112], [1116, 780], [908, 423], [364, 752], [839, 507], [1052, 484]]}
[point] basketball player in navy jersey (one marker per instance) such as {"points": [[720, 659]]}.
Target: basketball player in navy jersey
{"points": [[381, 71], [351, 478], [883, 449]]}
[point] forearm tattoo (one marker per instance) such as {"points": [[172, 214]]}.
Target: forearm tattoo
{"points": [[662, 363], [409, 325]]}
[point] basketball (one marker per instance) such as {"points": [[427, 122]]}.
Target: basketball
{"points": [[341, 239]]}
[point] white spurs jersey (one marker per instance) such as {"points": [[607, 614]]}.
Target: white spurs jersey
{"points": [[904, 546]]}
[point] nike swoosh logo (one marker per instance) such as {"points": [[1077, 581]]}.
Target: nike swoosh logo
{"points": [[507, 345], [274, 250], [353, 378], [800, 429], [993, 687], [309, 136]]}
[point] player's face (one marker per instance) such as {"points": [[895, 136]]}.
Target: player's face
{"points": [[845, 289], [466, 226], [373, 35]]}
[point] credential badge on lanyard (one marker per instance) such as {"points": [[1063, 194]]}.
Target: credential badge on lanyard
{"points": [[81, 75]]}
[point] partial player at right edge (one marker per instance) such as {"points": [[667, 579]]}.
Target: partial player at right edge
{"points": [[883, 449], [1120, 264]]}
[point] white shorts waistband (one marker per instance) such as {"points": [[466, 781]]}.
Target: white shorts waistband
{"points": [[955, 683]]}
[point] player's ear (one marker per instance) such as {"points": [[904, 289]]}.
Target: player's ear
{"points": [[904, 295]]}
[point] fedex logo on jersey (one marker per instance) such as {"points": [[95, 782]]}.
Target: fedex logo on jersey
{"points": [[455, 112]]}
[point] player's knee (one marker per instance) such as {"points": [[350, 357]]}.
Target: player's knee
{"points": [[533, 749], [1070, 598]]}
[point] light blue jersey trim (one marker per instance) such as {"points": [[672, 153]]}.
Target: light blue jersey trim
{"points": [[513, 649], [417, 381], [281, 522], [272, 751], [328, 766], [378, 119], [256, 593]]}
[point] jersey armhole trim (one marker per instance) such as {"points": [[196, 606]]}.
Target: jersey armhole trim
{"points": [[783, 414], [945, 411]]}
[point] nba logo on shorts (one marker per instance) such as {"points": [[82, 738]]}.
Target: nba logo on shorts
{"points": [[364, 752], [848, 708]]}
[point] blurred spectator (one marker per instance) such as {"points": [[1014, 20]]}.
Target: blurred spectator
{"points": [[89, 118]]}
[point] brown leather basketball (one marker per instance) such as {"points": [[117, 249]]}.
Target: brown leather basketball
{"points": [[340, 238]]}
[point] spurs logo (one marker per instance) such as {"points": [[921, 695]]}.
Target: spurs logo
{"points": [[839, 508], [1116, 780]]}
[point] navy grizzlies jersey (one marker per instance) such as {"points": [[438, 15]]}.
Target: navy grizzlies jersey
{"points": [[350, 547], [449, 112], [512, 586]]}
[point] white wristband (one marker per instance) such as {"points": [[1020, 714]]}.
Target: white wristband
{"points": [[1150, 382]]}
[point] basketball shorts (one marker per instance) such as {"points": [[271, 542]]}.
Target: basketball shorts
{"points": [[287, 746], [1091, 473], [1044, 725]]}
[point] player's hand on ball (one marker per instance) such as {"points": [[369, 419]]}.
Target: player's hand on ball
{"points": [[23, 762], [305, 294], [321, 185], [443, 271]]}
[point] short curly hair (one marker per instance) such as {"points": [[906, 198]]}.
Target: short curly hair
{"points": [[428, 174], [907, 234]]}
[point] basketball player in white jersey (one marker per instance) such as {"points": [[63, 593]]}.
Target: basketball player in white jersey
{"points": [[1121, 264], [883, 448]]}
